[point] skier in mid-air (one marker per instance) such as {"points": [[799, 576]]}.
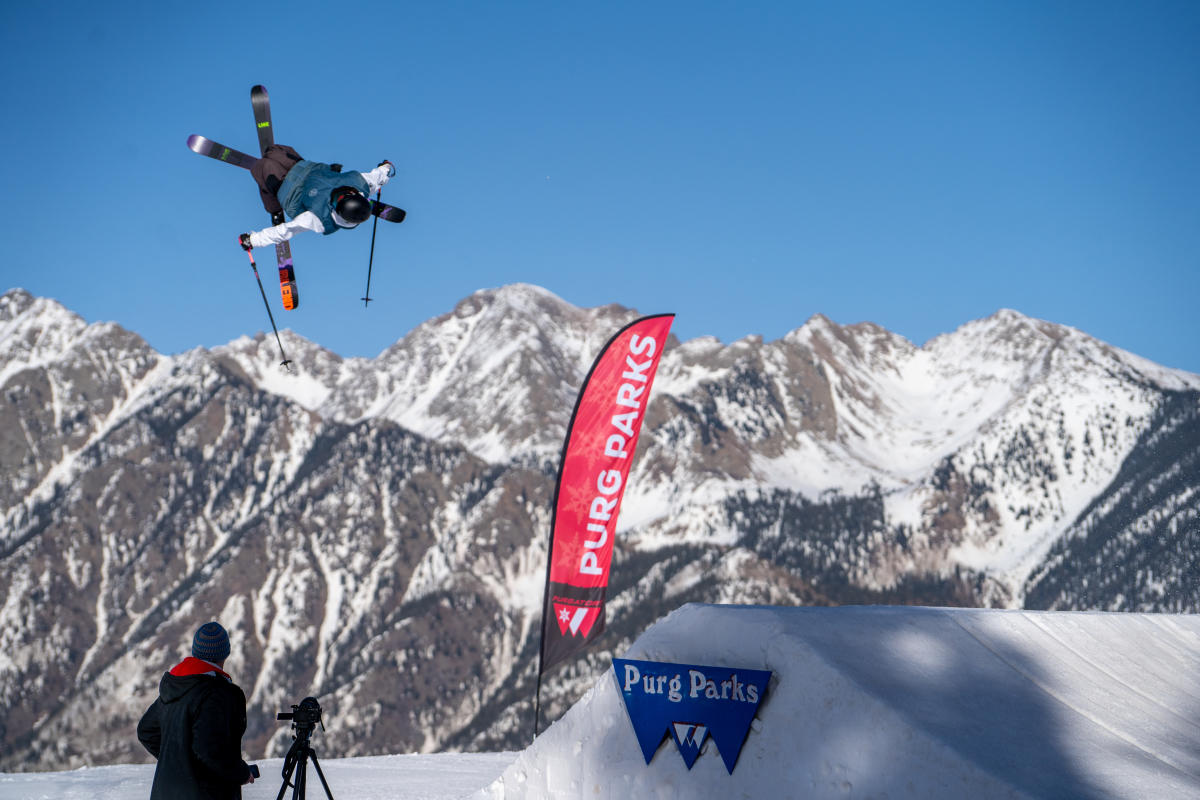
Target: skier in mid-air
{"points": [[315, 196]]}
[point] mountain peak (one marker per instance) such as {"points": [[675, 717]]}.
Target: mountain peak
{"points": [[1011, 325], [862, 341], [13, 303], [16, 303], [34, 330], [515, 297]]}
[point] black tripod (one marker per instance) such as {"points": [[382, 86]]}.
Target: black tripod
{"points": [[305, 717]]}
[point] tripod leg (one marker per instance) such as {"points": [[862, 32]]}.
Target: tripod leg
{"points": [[321, 775], [288, 768], [301, 777]]}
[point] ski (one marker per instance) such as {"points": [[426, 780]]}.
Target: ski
{"points": [[207, 147], [388, 213], [288, 292]]}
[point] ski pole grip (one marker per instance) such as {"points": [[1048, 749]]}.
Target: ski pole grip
{"points": [[249, 250]]}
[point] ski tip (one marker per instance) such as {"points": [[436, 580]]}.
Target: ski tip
{"points": [[195, 142], [257, 88]]}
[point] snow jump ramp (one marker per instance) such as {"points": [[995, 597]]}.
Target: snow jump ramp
{"points": [[883, 702]]}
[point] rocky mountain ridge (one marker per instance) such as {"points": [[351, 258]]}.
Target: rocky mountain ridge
{"points": [[372, 531]]}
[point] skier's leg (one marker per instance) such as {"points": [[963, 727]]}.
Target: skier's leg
{"points": [[269, 176], [269, 172]]}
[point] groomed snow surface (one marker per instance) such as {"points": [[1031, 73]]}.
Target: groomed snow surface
{"points": [[865, 702]]}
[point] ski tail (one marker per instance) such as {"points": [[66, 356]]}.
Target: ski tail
{"points": [[287, 285], [207, 147], [386, 212]]}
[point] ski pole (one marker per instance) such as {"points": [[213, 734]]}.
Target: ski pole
{"points": [[286, 361], [367, 295]]}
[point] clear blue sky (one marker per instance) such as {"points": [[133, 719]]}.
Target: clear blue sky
{"points": [[743, 164]]}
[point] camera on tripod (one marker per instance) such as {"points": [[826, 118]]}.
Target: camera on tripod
{"points": [[305, 718]]}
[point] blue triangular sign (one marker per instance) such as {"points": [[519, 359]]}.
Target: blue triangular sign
{"points": [[690, 702]]}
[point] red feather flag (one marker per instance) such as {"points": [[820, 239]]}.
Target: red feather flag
{"points": [[597, 455]]}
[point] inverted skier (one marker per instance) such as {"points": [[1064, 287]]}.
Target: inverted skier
{"points": [[314, 196]]}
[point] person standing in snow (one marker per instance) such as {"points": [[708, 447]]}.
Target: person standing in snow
{"points": [[194, 729], [316, 197]]}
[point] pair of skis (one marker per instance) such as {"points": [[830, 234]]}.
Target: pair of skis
{"points": [[283, 251]]}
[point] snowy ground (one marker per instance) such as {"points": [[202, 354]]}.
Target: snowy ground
{"points": [[864, 703], [415, 777]]}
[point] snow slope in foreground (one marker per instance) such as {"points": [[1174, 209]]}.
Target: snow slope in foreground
{"points": [[865, 702], [906, 703]]}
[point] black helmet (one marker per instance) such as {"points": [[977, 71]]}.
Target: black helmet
{"points": [[350, 205]]}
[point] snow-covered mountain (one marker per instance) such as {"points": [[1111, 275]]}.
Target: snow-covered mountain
{"points": [[373, 531]]}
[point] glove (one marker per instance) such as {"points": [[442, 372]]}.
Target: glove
{"points": [[244, 241], [391, 167]]}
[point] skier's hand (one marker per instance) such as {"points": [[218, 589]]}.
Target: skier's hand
{"points": [[244, 241], [391, 167]]}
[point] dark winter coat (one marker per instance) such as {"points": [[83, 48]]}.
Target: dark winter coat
{"points": [[195, 730]]}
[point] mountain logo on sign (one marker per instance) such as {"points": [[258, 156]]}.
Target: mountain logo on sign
{"points": [[692, 703], [689, 738]]}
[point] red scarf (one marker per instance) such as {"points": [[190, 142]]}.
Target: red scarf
{"points": [[195, 666]]}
